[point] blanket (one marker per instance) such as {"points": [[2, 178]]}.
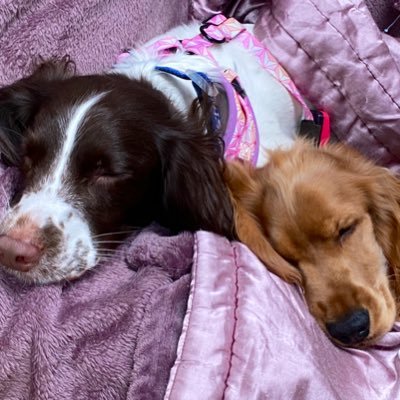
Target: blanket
{"points": [[92, 32], [248, 335], [111, 335], [345, 65]]}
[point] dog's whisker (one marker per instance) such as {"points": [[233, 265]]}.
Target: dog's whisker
{"points": [[109, 241], [114, 233]]}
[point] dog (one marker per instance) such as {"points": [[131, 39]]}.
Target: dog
{"points": [[103, 154], [328, 220]]}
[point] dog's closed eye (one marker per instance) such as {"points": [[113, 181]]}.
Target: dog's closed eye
{"points": [[103, 173], [345, 231]]}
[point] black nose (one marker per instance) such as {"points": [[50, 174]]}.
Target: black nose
{"points": [[353, 328]]}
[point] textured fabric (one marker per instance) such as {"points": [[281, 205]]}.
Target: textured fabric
{"points": [[343, 64], [248, 335], [92, 32], [383, 12], [111, 335]]}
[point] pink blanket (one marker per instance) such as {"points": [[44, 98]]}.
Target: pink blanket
{"points": [[248, 335], [344, 64]]}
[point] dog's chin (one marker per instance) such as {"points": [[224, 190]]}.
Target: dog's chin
{"points": [[366, 343]]}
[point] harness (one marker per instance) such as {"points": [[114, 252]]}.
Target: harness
{"points": [[241, 136]]}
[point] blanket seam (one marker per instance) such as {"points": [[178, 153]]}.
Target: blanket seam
{"points": [[235, 317], [357, 116], [179, 357]]}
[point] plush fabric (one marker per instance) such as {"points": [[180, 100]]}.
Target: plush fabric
{"points": [[111, 335], [93, 33]]}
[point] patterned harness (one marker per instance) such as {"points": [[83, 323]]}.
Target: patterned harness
{"points": [[241, 134]]}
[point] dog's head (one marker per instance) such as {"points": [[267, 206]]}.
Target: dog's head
{"points": [[100, 154], [329, 220]]}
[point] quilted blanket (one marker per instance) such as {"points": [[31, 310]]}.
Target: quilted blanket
{"points": [[344, 64], [247, 335]]}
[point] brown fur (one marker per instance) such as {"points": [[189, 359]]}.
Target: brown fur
{"points": [[328, 219]]}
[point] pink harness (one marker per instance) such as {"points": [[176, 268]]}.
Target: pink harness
{"points": [[241, 135]]}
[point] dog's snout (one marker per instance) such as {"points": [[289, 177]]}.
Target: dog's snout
{"points": [[352, 329], [18, 254]]}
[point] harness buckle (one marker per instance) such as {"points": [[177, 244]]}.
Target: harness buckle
{"points": [[205, 34], [219, 29]]}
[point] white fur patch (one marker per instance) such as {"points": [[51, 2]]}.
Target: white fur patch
{"points": [[54, 182]]}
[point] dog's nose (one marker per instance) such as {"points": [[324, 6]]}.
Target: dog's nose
{"points": [[353, 328], [17, 254]]}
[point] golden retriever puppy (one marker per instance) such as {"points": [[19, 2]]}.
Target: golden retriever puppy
{"points": [[328, 220]]}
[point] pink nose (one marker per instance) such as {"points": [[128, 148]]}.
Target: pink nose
{"points": [[17, 254]]}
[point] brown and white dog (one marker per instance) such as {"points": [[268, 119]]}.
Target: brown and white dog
{"points": [[100, 155]]}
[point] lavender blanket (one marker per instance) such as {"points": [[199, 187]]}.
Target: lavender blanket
{"points": [[112, 335], [193, 316]]}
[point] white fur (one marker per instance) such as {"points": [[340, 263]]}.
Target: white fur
{"points": [[54, 182], [277, 113]]}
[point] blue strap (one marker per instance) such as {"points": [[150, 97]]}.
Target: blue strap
{"points": [[199, 90], [197, 79]]}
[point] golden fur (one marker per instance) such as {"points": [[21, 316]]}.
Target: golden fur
{"points": [[328, 220]]}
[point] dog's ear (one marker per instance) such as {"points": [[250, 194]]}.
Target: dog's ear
{"points": [[246, 191], [20, 101], [194, 193], [383, 193], [381, 190]]}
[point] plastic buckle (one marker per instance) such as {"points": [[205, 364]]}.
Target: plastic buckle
{"points": [[207, 36]]}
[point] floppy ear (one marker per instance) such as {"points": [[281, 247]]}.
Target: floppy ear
{"points": [[382, 192], [384, 207], [246, 192], [194, 193], [20, 101]]}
